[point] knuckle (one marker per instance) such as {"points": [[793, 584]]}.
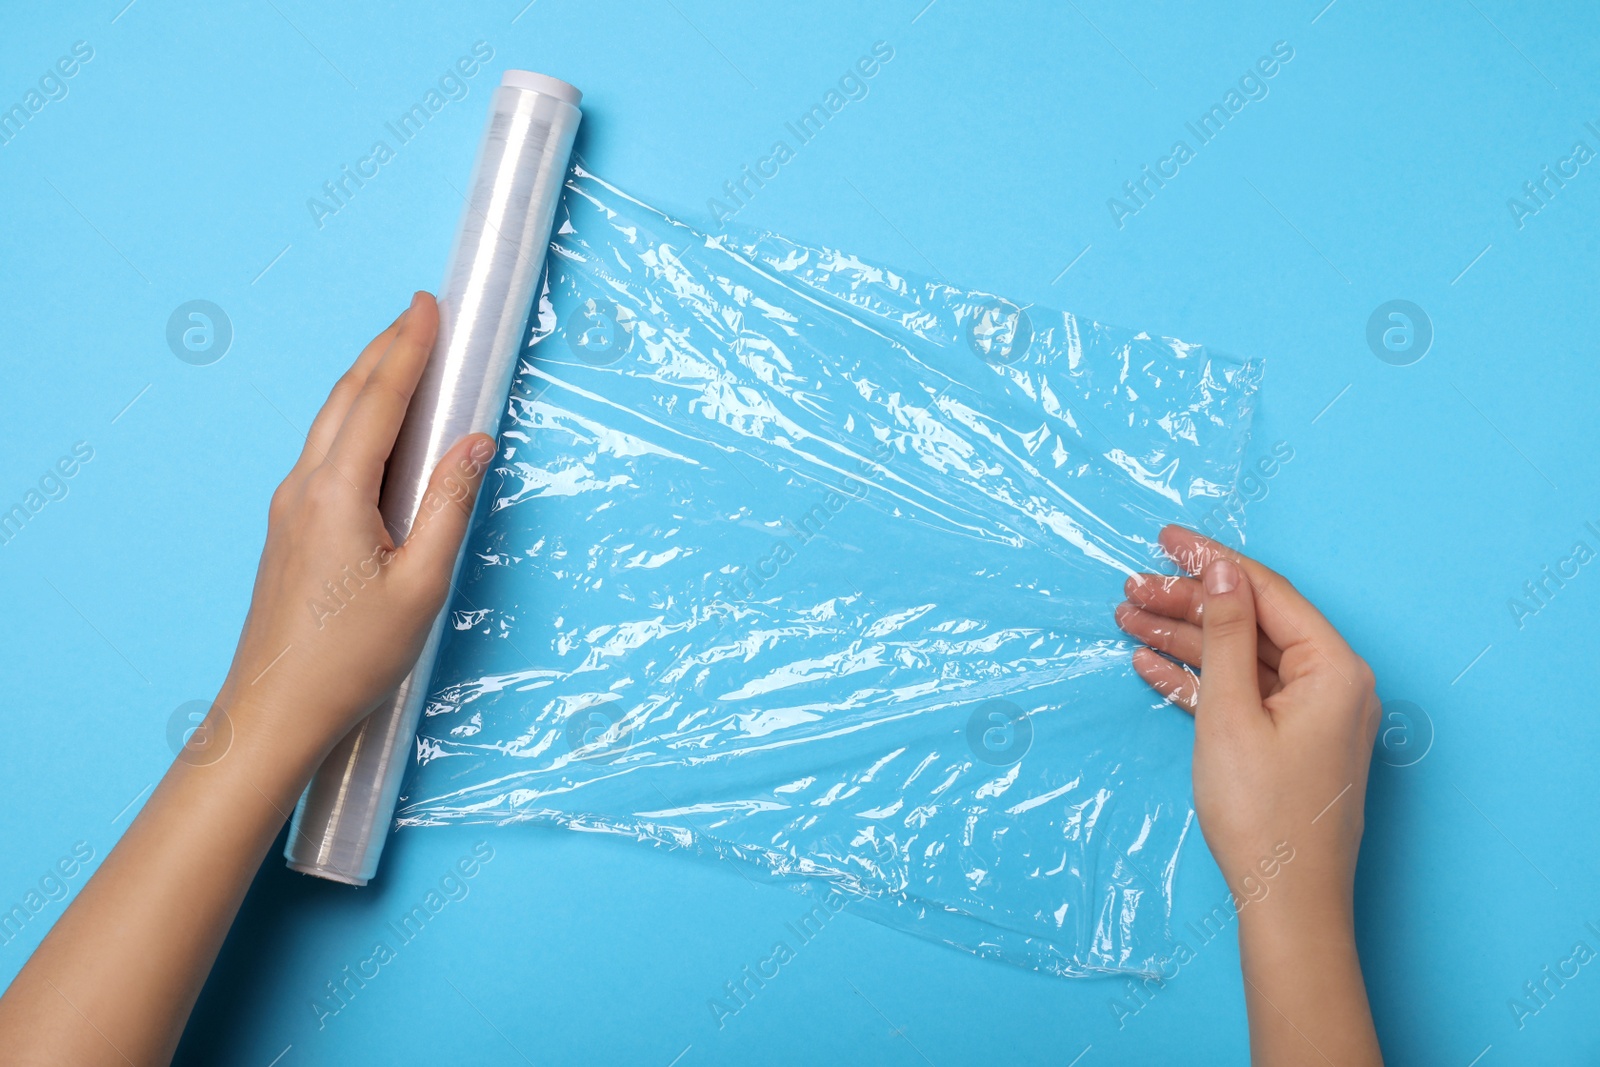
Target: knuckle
{"points": [[1274, 585], [324, 488], [278, 506], [287, 497], [1341, 671], [382, 389], [341, 388], [1229, 625]]}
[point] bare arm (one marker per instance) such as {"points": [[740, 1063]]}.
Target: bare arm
{"points": [[116, 978], [1285, 717]]}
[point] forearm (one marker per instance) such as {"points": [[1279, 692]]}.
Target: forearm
{"points": [[116, 978], [1304, 991]]}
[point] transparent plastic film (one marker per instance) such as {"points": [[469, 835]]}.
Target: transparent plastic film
{"points": [[808, 565]]}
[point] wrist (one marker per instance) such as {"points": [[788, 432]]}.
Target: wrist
{"points": [[1298, 918], [1304, 989], [1294, 889], [248, 738]]}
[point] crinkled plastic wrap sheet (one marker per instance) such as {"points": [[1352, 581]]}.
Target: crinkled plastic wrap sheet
{"points": [[809, 565]]}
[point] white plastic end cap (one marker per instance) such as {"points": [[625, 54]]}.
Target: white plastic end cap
{"points": [[542, 83]]}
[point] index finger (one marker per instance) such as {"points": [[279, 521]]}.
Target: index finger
{"points": [[323, 428], [367, 435], [1287, 618]]}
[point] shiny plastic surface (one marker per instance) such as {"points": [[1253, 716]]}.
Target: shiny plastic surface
{"points": [[806, 564]]}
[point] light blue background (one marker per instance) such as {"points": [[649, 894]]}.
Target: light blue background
{"points": [[1415, 508]]}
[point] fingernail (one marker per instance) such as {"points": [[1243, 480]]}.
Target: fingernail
{"points": [[482, 449], [1121, 612], [1221, 577]]}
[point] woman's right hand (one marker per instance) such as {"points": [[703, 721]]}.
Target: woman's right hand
{"points": [[1285, 718]]}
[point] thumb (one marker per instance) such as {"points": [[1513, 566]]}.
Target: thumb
{"points": [[441, 522], [1228, 678]]}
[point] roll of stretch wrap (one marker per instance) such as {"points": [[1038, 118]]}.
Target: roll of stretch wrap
{"points": [[342, 820]]}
